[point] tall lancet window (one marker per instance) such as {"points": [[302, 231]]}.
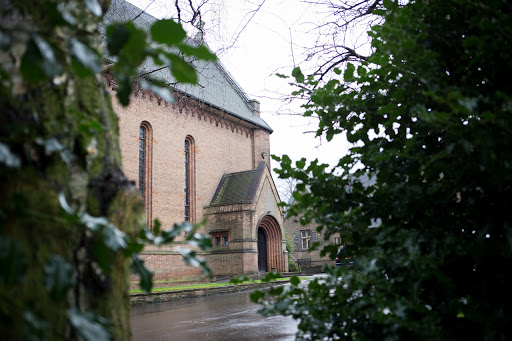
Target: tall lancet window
{"points": [[145, 152], [189, 179]]}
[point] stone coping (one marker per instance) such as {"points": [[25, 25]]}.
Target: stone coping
{"points": [[164, 296]]}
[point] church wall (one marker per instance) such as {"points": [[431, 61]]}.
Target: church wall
{"points": [[224, 148], [218, 150]]}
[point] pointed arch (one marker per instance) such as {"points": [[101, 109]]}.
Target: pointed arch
{"points": [[190, 179], [145, 163]]}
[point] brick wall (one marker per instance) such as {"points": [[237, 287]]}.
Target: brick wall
{"points": [[221, 146], [218, 150]]}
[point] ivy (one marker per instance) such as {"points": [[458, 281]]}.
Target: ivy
{"points": [[53, 54], [13, 262], [89, 326], [59, 277]]}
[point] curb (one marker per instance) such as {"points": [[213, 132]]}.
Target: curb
{"points": [[171, 295]]}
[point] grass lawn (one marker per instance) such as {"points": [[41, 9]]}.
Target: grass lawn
{"points": [[207, 285]]}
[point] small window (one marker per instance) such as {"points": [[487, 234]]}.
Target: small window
{"points": [[220, 239], [337, 241], [305, 239]]}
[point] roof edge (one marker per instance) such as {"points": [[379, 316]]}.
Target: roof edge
{"points": [[219, 187], [256, 182]]}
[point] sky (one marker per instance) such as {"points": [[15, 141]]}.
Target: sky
{"points": [[259, 45]]}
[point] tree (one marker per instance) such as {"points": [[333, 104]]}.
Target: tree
{"points": [[64, 262], [429, 114]]}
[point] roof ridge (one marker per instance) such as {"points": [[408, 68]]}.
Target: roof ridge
{"points": [[220, 89]]}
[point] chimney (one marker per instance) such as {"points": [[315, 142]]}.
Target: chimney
{"points": [[255, 106]]}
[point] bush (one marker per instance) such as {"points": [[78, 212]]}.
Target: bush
{"points": [[292, 266]]}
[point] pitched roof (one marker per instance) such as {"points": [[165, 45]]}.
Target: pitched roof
{"points": [[239, 187], [216, 87]]}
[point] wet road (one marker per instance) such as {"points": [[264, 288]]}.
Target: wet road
{"points": [[221, 317]]}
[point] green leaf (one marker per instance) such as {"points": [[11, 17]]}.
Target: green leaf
{"points": [[349, 73], [93, 223], [202, 241], [156, 227], [256, 296], [239, 279], [58, 277], [35, 328], [117, 36], [124, 89], [177, 229], [271, 276], [113, 237], [294, 280], [64, 9], [94, 7], [146, 276], [388, 4], [91, 128], [8, 158], [133, 245], [64, 204], [329, 134], [13, 262], [191, 258], [167, 31], [297, 73], [84, 55], [181, 70], [162, 91], [89, 326], [39, 61], [5, 41], [361, 71], [301, 163], [201, 52]]}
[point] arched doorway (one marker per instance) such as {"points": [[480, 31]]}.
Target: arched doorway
{"points": [[269, 245]]}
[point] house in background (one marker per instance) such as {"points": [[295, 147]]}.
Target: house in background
{"points": [[302, 237], [205, 156]]}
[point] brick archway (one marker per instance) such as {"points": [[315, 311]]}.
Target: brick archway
{"points": [[270, 228]]}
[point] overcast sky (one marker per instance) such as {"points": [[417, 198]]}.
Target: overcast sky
{"points": [[261, 43]]}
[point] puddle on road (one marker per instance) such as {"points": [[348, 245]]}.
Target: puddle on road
{"points": [[222, 317]]}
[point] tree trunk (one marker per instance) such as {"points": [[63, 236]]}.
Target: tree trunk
{"points": [[59, 137]]}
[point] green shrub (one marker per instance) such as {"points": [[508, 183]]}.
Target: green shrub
{"points": [[292, 266]]}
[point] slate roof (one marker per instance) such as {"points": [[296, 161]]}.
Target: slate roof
{"points": [[216, 87], [238, 188]]}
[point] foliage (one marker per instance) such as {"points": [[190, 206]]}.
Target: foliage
{"points": [[59, 143], [292, 266], [210, 285], [290, 247], [430, 115]]}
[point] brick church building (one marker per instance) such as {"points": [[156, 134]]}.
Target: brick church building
{"points": [[203, 157]]}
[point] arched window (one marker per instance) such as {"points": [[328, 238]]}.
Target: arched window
{"points": [[189, 179], [145, 153]]}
